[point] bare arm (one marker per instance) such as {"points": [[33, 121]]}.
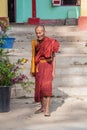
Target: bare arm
{"points": [[54, 65]]}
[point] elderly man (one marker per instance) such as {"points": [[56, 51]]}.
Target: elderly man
{"points": [[45, 60]]}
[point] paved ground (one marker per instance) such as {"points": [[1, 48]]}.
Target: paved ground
{"points": [[68, 113]]}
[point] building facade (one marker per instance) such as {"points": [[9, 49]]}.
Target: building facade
{"points": [[31, 11]]}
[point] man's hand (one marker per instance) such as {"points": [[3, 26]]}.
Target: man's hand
{"points": [[32, 74]]}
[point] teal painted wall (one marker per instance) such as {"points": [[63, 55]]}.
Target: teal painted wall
{"points": [[45, 10], [23, 10]]}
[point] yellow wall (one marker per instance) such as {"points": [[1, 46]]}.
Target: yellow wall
{"points": [[83, 7], [3, 8]]}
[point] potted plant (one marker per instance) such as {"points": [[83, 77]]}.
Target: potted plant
{"points": [[5, 41], [10, 74]]}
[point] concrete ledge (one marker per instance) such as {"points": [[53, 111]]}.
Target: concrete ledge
{"points": [[33, 21], [53, 22], [71, 21]]}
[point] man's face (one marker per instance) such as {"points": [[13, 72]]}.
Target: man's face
{"points": [[40, 33]]}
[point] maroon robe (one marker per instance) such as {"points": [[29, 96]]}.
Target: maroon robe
{"points": [[44, 68]]}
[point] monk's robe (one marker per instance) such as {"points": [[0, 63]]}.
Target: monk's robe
{"points": [[43, 61]]}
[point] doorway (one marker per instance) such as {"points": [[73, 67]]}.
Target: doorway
{"points": [[12, 10]]}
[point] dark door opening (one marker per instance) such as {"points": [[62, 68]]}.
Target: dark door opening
{"points": [[69, 2], [11, 10]]}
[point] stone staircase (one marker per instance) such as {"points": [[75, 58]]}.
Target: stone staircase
{"points": [[71, 64]]}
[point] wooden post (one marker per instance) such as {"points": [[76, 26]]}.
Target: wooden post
{"points": [[34, 8], [34, 19]]}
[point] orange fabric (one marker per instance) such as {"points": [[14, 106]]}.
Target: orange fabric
{"points": [[33, 56], [42, 61], [43, 81]]}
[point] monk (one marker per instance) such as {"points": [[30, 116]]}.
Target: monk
{"points": [[45, 61]]}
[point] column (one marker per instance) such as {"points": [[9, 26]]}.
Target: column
{"points": [[82, 21], [34, 19], [3, 8]]}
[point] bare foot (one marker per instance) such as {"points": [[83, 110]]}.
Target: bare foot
{"points": [[39, 111], [47, 114]]}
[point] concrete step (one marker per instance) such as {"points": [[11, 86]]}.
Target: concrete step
{"points": [[61, 59], [71, 91], [63, 29], [62, 87], [28, 32], [30, 28], [26, 46], [28, 37], [58, 29], [72, 44], [70, 81], [63, 33], [62, 44], [64, 48], [70, 33], [20, 52], [71, 70], [67, 60], [73, 50], [70, 38]]}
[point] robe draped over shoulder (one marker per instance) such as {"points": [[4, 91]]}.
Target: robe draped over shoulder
{"points": [[46, 48]]}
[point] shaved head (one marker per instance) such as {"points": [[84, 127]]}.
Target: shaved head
{"points": [[41, 27], [40, 32]]}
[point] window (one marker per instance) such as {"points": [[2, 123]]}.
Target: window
{"points": [[70, 2], [78, 2]]}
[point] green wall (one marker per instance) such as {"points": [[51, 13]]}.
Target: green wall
{"points": [[23, 10], [45, 10]]}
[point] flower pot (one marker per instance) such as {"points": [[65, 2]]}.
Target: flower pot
{"points": [[5, 93], [7, 42]]}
